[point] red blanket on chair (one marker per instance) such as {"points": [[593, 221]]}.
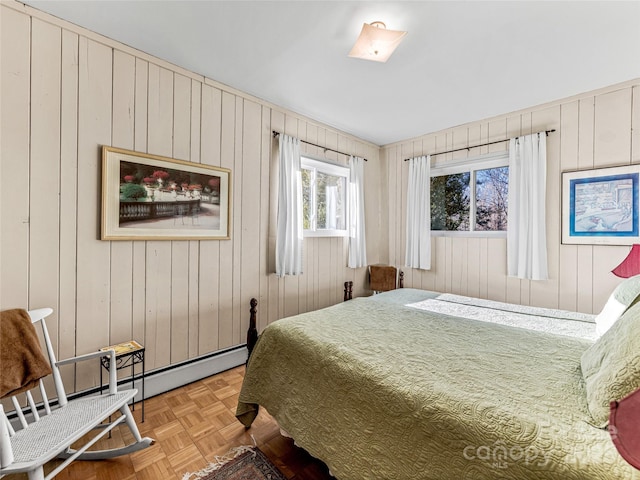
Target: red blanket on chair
{"points": [[22, 363]]}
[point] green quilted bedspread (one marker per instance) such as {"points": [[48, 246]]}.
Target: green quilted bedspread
{"points": [[379, 391]]}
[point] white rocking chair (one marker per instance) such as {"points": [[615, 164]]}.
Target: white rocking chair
{"points": [[52, 430]]}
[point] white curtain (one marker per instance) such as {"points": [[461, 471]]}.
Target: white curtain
{"points": [[526, 233], [418, 247], [357, 241], [289, 218]]}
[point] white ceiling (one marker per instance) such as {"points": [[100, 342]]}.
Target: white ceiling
{"points": [[460, 62]]}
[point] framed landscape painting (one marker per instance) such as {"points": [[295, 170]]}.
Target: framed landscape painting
{"points": [[600, 206], [148, 197]]}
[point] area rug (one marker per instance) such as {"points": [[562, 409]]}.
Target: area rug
{"points": [[241, 463]]}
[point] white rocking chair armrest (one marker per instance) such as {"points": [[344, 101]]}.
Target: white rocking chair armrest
{"points": [[113, 379], [87, 356]]}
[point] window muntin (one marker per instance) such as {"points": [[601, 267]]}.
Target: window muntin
{"points": [[470, 197], [324, 199]]}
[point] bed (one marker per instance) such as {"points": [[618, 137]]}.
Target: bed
{"points": [[401, 386]]}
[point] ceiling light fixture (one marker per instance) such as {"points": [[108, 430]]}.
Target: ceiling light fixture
{"points": [[376, 42]]}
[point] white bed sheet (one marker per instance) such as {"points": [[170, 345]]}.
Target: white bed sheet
{"points": [[558, 322]]}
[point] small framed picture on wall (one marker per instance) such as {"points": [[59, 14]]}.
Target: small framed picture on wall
{"points": [[600, 206]]}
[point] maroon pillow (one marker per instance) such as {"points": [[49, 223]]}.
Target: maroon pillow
{"points": [[624, 423]]}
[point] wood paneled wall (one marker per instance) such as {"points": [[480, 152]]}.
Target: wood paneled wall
{"points": [[593, 130], [65, 93]]}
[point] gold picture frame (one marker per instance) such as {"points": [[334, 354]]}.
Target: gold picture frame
{"points": [[149, 197]]}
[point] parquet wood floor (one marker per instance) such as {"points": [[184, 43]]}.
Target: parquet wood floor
{"points": [[192, 425]]}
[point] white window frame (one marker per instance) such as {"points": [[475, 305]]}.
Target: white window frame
{"points": [[330, 168], [471, 165]]}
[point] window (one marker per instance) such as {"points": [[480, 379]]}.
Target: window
{"points": [[324, 199], [470, 196]]}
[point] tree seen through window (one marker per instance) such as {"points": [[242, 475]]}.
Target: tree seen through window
{"points": [[455, 197]]}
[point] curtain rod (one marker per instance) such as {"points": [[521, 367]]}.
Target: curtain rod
{"points": [[476, 146], [275, 134]]}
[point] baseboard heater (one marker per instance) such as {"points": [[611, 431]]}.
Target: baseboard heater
{"points": [[168, 378]]}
